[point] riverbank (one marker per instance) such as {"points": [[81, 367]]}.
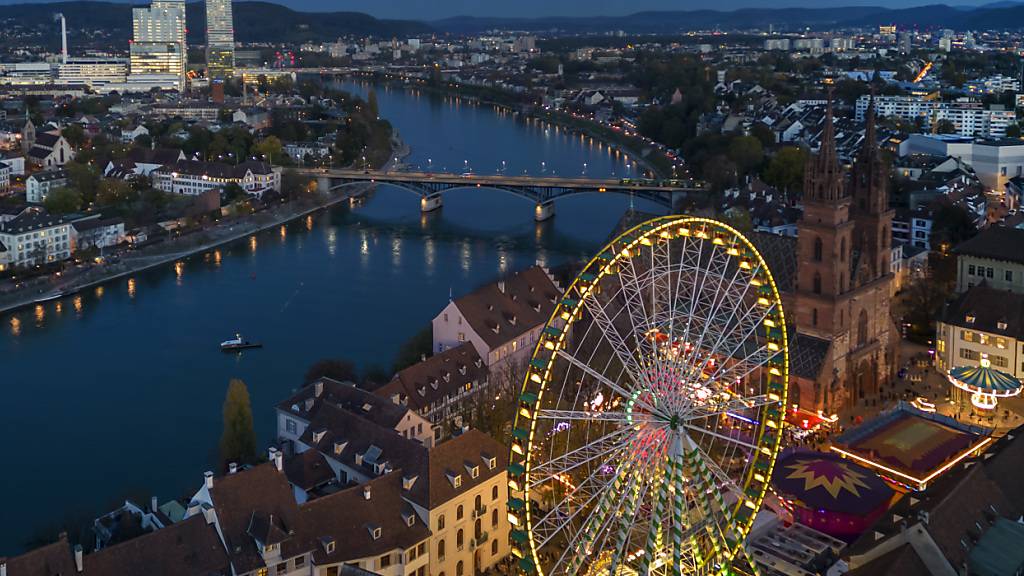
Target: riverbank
{"points": [[498, 99]]}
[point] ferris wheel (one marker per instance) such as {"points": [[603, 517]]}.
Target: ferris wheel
{"points": [[652, 409]]}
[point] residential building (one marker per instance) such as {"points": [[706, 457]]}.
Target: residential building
{"points": [[443, 388], [220, 39], [298, 151], [969, 117], [502, 320], [995, 256], [130, 133], [295, 414], [50, 150], [254, 118], [34, 237], [158, 47], [97, 232], [5, 176], [142, 162], [186, 111], [982, 322], [193, 177], [39, 184]]}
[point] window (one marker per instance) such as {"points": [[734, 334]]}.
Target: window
{"points": [[462, 336], [385, 561], [281, 568], [459, 568], [999, 361], [1008, 275], [458, 512], [816, 287], [817, 249], [968, 354], [494, 547], [478, 503], [459, 537], [261, 572], [440, 550], [440, 522], [989, 272], [814, 316], [421, 549], [291, 426], [842, 250], [494, 493], [494, 518], [301, 560]]}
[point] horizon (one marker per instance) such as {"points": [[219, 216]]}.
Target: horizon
{"points": [[534, 9]]}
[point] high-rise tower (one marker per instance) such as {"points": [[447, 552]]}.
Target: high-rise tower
{"points": [[220, 39], [158, 46]]}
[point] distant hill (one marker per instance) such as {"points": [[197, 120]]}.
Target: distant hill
{"points": [[999, 15], [254, 21]]}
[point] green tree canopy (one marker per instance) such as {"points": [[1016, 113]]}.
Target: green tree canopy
{"points": [[269, 149], [786, 169], [238, 442], [115, 193], [951, 225], [74, 134], [63, 201], [746, 152], [371, 103]]}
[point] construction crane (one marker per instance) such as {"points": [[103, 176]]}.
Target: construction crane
{"points": [[924, 72]]}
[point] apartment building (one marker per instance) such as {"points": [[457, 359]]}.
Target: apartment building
{"points": [[970, 118]]}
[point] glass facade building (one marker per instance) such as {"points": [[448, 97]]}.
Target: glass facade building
{"points": [[158, 45], [220, 39]]}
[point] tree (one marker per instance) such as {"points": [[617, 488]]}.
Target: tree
{"points": [[1013, 131], [786, 169], [63, 201], [919, 305], [84, 178], [238, 442], [945, 126], [334, 369], [292, 183], [75, 135], [414, 349], [746, 152], [115, 193], [371, 103], [269, 148], [951, 225]]}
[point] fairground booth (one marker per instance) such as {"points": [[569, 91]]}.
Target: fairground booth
{"points": [[982, 385], [910, 447], [831, 494]]}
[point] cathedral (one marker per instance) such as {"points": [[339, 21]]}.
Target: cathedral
{"points": [[837, 296]]}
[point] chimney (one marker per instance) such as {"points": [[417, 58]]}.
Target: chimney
{"points": [[232, 467], [271, 454], [423, 357], [78, 557], [3, 566], [153, 504], [366, 492], [279, 461], [318, 388], [209, 479], [501, 286], [209, 514]]}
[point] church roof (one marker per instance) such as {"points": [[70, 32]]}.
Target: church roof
{"points": [[806, 355]]}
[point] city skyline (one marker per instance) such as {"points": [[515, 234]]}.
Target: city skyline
{"points": [[418, 10]]}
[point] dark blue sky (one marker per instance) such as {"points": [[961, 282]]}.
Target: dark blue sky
{"points": [[433, 9]]}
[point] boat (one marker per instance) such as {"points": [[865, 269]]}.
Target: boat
{"points": [[238, 343]]}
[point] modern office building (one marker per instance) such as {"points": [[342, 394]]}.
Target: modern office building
{"points": [[96, 73], [969, 117], [220, 39], [158, 47]]}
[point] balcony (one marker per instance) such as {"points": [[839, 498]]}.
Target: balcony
{"points": [[478, 541]]}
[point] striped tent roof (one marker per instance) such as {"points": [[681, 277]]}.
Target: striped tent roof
{"points": [[986, 379]]}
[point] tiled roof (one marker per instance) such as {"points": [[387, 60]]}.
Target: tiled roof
{"points": [[503, 311], [29, 221], [346, 520], [434, 379], [216, 169], [308, 470], [378, 409], [456, 457], [188, 547], [807, 354], [779, 252], [995, 242], [162, 156], [46, 560], [49, 175], [47, 140], [261, 491], [993, 311]]}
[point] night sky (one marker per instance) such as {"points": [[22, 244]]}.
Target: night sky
{"points": [[434, 9]]}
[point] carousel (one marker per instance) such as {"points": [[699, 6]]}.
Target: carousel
{"points": [[984, 385]]}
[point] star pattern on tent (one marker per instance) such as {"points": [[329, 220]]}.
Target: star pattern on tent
{"points": [[833, 476]]}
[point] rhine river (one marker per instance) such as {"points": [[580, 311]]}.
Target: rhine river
{"points": [[117, 392]]}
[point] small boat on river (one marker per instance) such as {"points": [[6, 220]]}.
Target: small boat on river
{"points": [[238, 343]]}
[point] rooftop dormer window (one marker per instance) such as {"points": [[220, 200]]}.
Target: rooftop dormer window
{"points": [[970, 318]]}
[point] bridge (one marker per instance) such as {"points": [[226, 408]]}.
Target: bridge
{"points": [[542, 190]]}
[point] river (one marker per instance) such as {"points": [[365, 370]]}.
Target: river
{"points": [[117, 392]]}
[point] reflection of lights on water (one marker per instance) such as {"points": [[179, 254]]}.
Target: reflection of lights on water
{"points": [[284, 232], [252, 243], [40, 314], [59, 307], [465, 256], [131, 287], [502, 261], [78, 305], [216, 257], [332, 241], [99, 291], [179, 270], [309, 222], [396, 251], [15, 326], [429, 253]]}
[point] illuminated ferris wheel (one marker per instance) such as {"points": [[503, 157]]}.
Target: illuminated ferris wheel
{"points": [[652, 409]]}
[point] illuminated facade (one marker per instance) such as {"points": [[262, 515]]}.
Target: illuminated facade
{"points": [[93, 72], [220, 39], [159, 47]]}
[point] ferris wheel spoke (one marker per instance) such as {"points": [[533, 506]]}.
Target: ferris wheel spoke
{"points": [[625, 394], [743, 403], [606, 446], [598, 416], [716, 470], [738, 370], [720, 436], [610, 333]]}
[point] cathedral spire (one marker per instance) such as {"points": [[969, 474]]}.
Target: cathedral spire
{"points": [[823, 178]]}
